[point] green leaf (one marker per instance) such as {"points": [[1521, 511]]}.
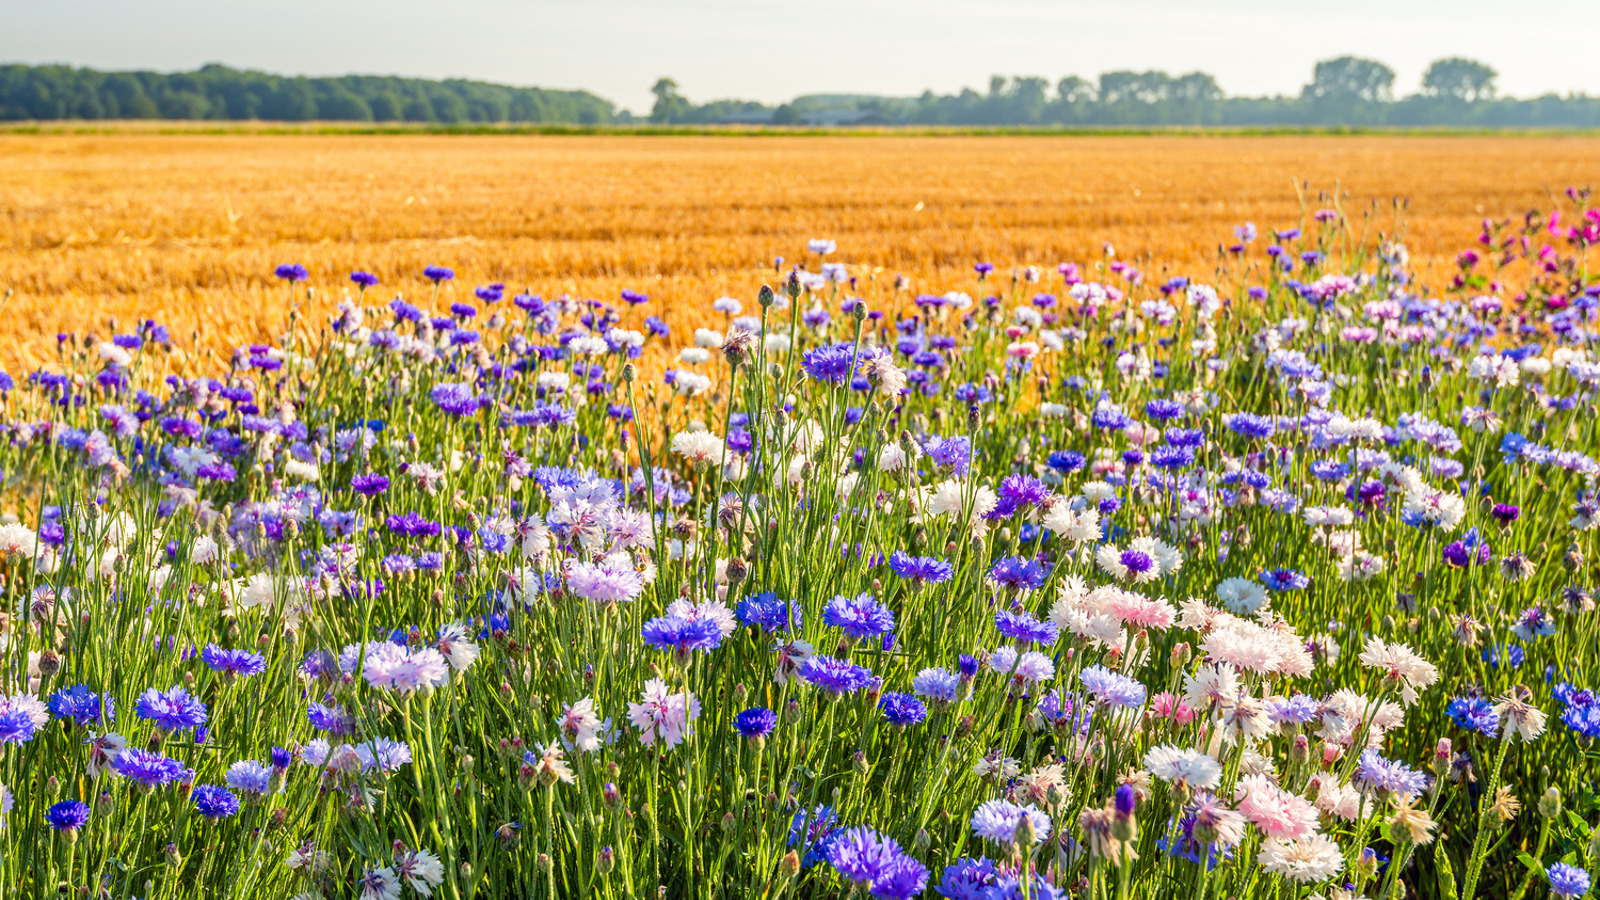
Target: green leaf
{"points": [[1530, 862], [1447, 876]]}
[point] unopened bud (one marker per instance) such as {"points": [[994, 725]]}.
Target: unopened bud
{"points": [[1550, 803]]}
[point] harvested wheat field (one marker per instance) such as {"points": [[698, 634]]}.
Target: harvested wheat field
{"points": [[188, 228]]}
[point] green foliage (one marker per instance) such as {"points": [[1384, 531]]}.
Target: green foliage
{"points": [[220, 93]]}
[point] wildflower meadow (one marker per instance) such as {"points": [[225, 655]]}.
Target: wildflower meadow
{"points": [[1274, 581]]}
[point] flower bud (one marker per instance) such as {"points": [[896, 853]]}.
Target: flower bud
{"points": [[1550, 803], [608, 861], [789, 866]]}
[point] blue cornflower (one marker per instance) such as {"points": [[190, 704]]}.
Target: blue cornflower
{"points": [[172, 710], [1250, 425], [214, 801], [836, 676], [1019, 492], [1020, 573], [1112, 688], [331, 718], [830, 363], [16, 727], [1474, 714], [681, 635], [291, 272], [233, 662], [68, 816], [1566, 882], [1510, 655], [968, 665], [767, 612], [756, 722], [1066, 461], [902, 709], [1025, 629], [1285, 580], [920, 569], [1168, 456], [81, 705], [364, 280], [858, 617], [250, 778], [813, 832], [437, 274], [940, 686]]}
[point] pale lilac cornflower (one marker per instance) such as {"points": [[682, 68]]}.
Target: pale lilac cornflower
{"points": [[663, 715]]}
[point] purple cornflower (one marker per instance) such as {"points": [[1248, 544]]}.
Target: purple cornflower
{"points": [[369, 485], [1025, 629], [604, 582], [634, 298], [364, 280], [1505, 513], [859, 617], [836, 676], [1112, 688], [830, 363], [1163, 410], [437, 274], [172, 710], [1387, 776], [865, 857], [920, 569], [233, 662], [756, 722], [214, 801], [997, 821], [1019, 492], [902, 709], [682, 636], [148, 769], [954, 453], [455, 399], [412, 525], [291, 272], [68, 816], [1250, 425], [1020, 573]]}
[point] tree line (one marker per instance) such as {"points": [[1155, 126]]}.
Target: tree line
{"points": [[218, 92], [1345, 91]]}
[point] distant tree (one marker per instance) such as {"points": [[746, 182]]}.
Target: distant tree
{"points": [[784, 115], [1459, 79], [1073, 89], [385, 107], [1351, 78], [1349, 90], [670, 106], [343, 105]]}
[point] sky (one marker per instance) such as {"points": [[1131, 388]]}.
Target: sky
{"points": [[773, 51]]}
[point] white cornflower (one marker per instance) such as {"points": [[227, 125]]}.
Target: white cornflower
{"points": [[1175, 764]]}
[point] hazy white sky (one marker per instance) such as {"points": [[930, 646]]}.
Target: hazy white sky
{"points": [[772, 51]]}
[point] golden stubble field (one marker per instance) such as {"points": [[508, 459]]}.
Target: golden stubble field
{"points": [[188, 228]]}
